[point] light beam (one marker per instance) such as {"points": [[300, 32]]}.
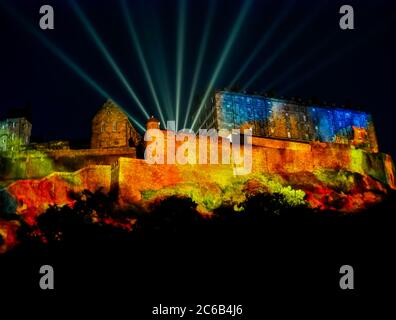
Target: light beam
{"points": [[262, 42], [180, 55], [341, 53], [201, 53], [227, 48], [139, 50], [99, 43], [326, 62], [68, 61], [159, 60], [295, 66], [285, 43]]}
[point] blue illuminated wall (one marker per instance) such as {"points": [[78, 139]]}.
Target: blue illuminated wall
{"points": [[336, 125], [237, 110], [276, 118], [266, 117]]}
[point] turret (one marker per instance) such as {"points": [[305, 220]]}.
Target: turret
{"points": [[152, 123]]}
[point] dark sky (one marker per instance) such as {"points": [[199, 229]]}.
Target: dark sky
{"points": [[308, 52]]}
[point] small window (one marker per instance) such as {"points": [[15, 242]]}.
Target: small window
{"points": [[102, 127], [115, 126]]}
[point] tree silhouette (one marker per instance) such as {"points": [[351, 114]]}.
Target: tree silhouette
{"points": [[172, 215]]}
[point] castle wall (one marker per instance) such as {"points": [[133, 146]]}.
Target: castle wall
{"points": [[268, 155], [282, 119], [279, 155], [136, 176], [316, 156], [133, 177], [37, 164], [285, 156]]}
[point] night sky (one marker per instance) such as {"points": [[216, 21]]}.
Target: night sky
{"points": [[309, 55]]}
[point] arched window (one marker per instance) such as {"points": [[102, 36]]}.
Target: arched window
{"points": [[114, 126], [102, 126]]}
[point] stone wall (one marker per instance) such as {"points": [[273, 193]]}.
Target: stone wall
{"points": [[283, 119], [279, 155], [268, 156], [136, 176], [112, 128], [133, 177], [35, 164]]}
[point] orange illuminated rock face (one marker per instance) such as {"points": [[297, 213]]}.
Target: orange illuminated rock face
{"points": [[35, 196], [390, 171], [318, 175], [322, 175], [136, 176], [8, 230], [362, 193]]}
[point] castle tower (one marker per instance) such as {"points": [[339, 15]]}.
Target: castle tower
{"points": [[111, 128], [14, 134], [152, 123]]}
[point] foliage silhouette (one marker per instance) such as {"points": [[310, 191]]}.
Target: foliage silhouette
{"points": [[171, 215], [95, 223]]}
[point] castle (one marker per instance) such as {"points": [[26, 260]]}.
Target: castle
{"points": [[113, 136], [293, 146], [274, 123]]}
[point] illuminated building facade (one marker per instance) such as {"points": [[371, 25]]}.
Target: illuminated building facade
{"points": [[111, 128], [283, 119], [14, 134]]}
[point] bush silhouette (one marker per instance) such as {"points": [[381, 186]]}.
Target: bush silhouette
{"points": [[171, 215]]}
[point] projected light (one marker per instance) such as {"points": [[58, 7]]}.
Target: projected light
{"points": [[285, 43], [282, 119], [180, 53], [138, 47], [338, 55], [262, 42], [326, 62], [336, 125], [99, 43], [201, 53], [227, 48], [160, 69], [68, 61]]}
